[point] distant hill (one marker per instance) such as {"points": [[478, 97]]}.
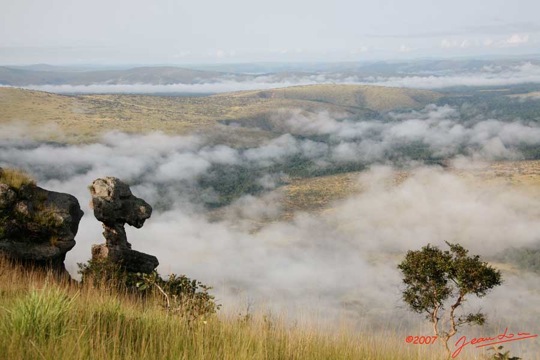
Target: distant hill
{"points": [[45, 75], [85, 117], [379, 68], [291, 73]]}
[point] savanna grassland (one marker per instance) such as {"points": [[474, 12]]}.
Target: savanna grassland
{"points": [[318, 194], [46, 318], [266, 159], [84, 118]]}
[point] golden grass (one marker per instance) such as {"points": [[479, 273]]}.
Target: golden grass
{"points": [[84, 118], [520, 175], [45, 318], [378, 98], [316, 194], [15, 178], [319, 193]]}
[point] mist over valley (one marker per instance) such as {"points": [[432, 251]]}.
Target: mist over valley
{"points": [[345, 180]]}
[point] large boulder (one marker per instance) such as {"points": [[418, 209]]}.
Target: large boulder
{"points": [[37, 226], [114, 205]]}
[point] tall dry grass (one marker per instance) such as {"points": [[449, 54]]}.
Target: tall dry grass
{"points": [[15, 178], [42, 317]]}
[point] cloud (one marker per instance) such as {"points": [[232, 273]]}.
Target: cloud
{"points": [[510, 41], [438, 128], [203, 88], [532, 96], [326, 263], [497, 29], [489, 75], [340, 261], [457, 43], [405, 49], [517, 39], [519, 74]]}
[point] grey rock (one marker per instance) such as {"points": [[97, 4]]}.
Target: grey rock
{"points": [[131, 260], [114, 205], [36, 225]]}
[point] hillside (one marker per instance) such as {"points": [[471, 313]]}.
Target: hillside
{"points": [[84, 118], [375, 98], [140, 75], [319, 194]]}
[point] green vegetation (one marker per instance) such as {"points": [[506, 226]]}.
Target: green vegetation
{"points": [[40, 314], [44, 318], [495, 103], [498, 354], [437, 280], [84, 118], [229, 182], [182, 295]]}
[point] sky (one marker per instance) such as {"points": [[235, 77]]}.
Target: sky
{"points": [[211, 31]]}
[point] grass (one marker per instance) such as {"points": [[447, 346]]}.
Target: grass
{"points": [[84, 118], [376, 98], [317, 194], [15, 178], [44, 318]]}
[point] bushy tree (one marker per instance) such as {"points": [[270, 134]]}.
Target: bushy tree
{"points": [[437, 283]]}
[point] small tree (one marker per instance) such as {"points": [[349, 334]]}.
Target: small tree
{"points": [[438, 282]]}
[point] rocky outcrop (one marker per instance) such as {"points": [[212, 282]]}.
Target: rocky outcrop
{"points": [[37, 226], [114, 205]]}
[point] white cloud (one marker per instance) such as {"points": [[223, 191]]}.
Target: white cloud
{"points": [[359, 50], [318, 262], [517, 39], [519, 74], [447, 44], [405, 49]]}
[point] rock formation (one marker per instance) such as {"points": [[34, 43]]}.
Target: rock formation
{"points": [[37, 226], [114, 205]]}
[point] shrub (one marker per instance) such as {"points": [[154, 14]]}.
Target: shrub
{"points": [[180, 295]]}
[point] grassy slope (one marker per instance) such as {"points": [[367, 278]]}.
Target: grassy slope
{"points": [[319, 193], [41, 318], [376, 98], [84, 118]]}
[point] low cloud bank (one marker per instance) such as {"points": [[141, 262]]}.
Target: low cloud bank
{"points": [[341, 262], [495, 75], [488, 76], [437, 131], [204, 88]]}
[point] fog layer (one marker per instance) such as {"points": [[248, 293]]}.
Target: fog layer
{"points": [[340, 261]]}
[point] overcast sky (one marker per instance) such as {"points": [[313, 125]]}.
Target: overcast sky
{"points": [[167, 31]]}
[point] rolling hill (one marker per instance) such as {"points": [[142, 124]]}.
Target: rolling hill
{"points": [[140, 75], [84, 118], [374, 98]]}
